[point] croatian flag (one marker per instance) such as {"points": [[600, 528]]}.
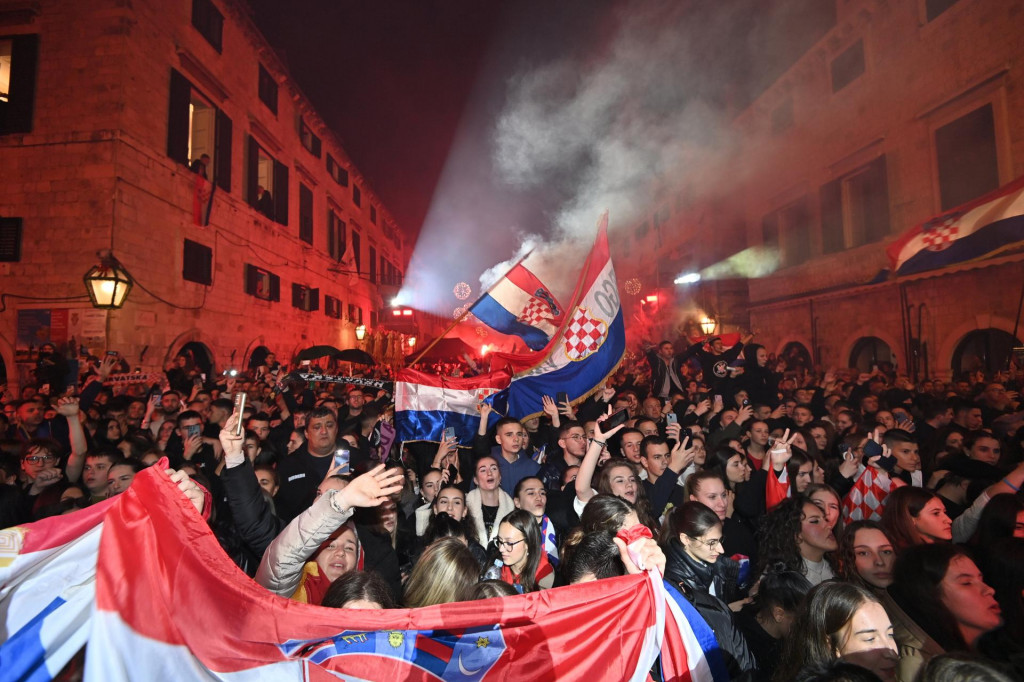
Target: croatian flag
{"points": [[520, 305], [588, 346], [169, 604], [427, 404], [983, 227]]}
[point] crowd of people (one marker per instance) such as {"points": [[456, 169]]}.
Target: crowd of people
{"points": [[829, 525]]}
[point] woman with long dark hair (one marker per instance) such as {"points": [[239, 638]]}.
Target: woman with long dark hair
{"points": [[840, 620], [944, 603], [796, 536], [915, 516], [866, 555], [692, 541], [525, 565]]}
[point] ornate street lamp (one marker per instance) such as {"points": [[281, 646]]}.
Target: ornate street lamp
{"points": [[361, 332], [707, 325], [412, 342], [108, 283]]}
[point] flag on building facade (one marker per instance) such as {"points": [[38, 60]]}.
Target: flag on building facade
{"points": [[427, 404], [202, 200], [983, 227], [588, 345], [166, 603], [519, 304]]}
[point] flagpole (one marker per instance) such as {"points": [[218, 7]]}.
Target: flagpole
{"points": [[461, 317]]}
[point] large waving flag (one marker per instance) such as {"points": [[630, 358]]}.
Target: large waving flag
{"points": [[426, 404], [170, 605], [983, 227], [520, 304], [588, 346]]}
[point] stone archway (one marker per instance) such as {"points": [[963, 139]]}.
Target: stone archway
{"points": [[987, 350], [869, 351], [951, 341]]}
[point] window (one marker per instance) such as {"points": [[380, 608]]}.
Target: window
{"points": [[357, 251], [268, 90], [357, 196], [967, 157], [934, 8], [305, 298], [262, 284], [373, 265], [335, 236], [782, 117], [305, 214], [789, 227], [855, 208], [18, 58], [385, 272], [339, 174], [267, 183], [10, 240], [373, 214], [208, 21], [373, 318], [848, 66], [309, 140], [195, 127], [197, 263], [355, 314], [332, 307]]}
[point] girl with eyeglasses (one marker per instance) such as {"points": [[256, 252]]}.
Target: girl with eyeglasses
{"points": [[692, 542], [525, 565]]}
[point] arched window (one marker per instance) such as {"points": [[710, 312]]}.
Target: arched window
{"points": [[259, 354], [797, 357], [985, 350], [868, 352], [198, 355]]}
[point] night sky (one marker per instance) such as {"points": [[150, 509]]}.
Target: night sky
{"points": [[417, 90]]}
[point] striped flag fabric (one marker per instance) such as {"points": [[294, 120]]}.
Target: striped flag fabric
{"points": [[427, 404], [983, 227], [588, 346], [144, 580], [520, 304]]}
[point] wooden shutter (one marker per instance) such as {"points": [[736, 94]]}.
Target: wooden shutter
{"points": [[280, 192], [222, 152], [177, 117]]}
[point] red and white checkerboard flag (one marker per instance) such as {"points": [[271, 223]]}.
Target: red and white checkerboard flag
{"points": [[866, 499]]}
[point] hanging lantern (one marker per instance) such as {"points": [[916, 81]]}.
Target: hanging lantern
{"points": [[108, 283]]}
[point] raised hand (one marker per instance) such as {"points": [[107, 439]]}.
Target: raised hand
{"points": [[189, 487], [372, 488], [68, 407], [682, 455], [231, 443], [782, 450]]}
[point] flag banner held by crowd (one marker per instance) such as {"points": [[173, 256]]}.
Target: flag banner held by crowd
{"points": [[202, 201], [588, 346], [983, 227], [135, 378], [866, 498], [427, 404], [48, 591], [519, 304], [165, 602]]}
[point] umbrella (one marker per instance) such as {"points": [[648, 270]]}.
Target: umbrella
{"points": [[445, 349], [314, 352], [360, 357]]}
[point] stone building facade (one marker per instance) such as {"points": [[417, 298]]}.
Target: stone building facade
{"points": [[104, 107], [903, 110]]}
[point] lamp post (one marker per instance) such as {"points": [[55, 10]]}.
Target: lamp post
{"points": [[707, 325], [108, 283], [361, 332]]}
